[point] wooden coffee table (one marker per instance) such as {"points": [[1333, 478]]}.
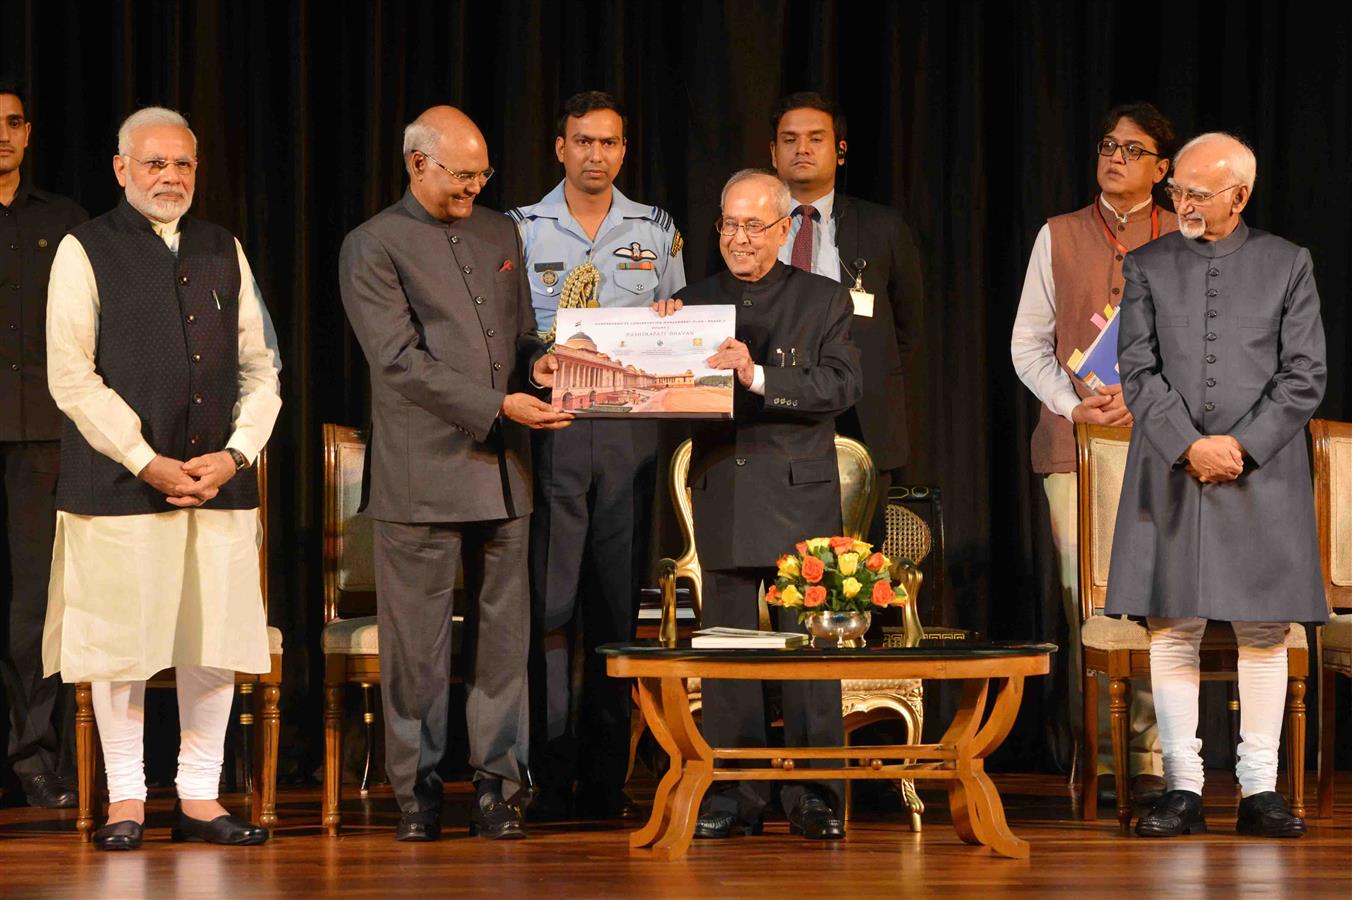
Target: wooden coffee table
{"points": [[986, 670]]}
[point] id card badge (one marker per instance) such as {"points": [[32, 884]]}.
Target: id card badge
{"points": [[863, 302]]}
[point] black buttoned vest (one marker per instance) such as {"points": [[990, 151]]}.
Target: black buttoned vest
{"points": [[168, 345]]}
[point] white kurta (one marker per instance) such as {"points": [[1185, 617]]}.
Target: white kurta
{"points": [[131, 595]]}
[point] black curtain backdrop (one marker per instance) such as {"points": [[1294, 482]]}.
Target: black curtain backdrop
{"points": [[977, 119]]}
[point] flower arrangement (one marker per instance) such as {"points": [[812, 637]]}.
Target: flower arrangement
{"points": [[836, 574]]}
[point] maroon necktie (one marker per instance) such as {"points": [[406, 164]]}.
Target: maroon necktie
{"points": [[802, 242]]}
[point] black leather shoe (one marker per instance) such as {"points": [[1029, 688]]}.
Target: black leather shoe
{"points": [[716, 825], [225, 829], [1177, 812], [418, 827], [119, 836], [1267, 815], [814, 820], [495, 818], [47, 791]]}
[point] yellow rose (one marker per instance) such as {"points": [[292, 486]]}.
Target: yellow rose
{"points": [[788, 567], [815, 544], [850, 587], [862, 548], [847, 563], [791, 597]]}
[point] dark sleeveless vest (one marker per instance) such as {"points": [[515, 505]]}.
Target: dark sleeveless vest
{"points": [[168, 345]]}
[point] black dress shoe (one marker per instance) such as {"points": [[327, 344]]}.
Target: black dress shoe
{"points": [[814, 820], [123, 835], [225, 829], [714, 825], [418, 827], [495, 818], [1177, 812], [1267, 815], [47, 791]]}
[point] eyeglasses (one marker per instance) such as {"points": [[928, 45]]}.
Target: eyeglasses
{"points": [[181, 166], [753, 229], [15, 122], [1195, 197], [463, 177], [1133, 152]]}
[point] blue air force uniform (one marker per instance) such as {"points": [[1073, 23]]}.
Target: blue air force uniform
{"points": [[594, 485]]}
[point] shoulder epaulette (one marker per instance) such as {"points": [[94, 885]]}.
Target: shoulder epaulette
{"points": [[516, 215], [662, 218]]}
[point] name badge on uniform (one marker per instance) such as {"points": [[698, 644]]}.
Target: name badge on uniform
{"points": [[863, 302]]}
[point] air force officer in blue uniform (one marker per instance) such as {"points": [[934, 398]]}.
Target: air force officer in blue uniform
{"points": [[586, 244]]}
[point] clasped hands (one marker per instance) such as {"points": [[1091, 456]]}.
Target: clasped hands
{"points": [[731, 355], [1214, 459], [190, 483]]}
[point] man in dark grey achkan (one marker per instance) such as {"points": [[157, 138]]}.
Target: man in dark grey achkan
{"points": [[1221, 352], [436, 292]]}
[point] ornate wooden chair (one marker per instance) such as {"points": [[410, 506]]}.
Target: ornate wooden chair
{"points": [[1120, 648], [350, 639], [261, 710], [1333, 510], [863, 702]]}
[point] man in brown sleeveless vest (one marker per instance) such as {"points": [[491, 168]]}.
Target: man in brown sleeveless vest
{"points": [[1074, 277]]}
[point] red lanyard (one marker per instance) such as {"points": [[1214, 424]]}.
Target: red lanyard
{"points": [[1112, 238]]}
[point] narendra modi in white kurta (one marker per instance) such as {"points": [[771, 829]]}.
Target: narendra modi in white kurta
{"points": [[131, 595]]}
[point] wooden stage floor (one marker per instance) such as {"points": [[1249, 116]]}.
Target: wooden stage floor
{"points": [[40, 857]]}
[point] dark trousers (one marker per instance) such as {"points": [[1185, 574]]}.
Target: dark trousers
{"points": [[30, 470], [734, 710], [415, 567], [594, 485]]}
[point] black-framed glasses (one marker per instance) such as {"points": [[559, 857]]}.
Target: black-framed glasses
{"points": [[754, 229], [1192, 195], [1133, 152], [463, 177], [16, 121], [183, 167]]}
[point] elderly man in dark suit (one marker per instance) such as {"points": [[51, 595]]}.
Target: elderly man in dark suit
{"points": [[1221, 351], [436, 292], [866, 247], [766, 480]]}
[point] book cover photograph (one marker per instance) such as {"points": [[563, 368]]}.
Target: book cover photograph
{"points": [[1097, 365], [622, 362]]}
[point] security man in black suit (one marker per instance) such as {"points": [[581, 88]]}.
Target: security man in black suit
{"points": [[766, 480], [32, 223], [866, 247]]}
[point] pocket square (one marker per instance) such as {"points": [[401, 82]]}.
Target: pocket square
{"points": [[506, 266]]}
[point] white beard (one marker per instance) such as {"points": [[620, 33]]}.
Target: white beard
{"points": [[159, 209], [1192, 227]]}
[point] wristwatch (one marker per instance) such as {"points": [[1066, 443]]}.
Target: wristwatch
{"points": [[240, 461]]}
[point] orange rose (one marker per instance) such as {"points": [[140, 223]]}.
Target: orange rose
{"points": [[813, 569], [801, 547], [875, 562], [882, 593], [815, 596], [772, 596], [841, 545]]}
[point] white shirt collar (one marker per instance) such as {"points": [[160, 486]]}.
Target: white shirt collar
{"points": [[1122, 217]]}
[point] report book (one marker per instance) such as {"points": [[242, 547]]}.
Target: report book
{"points": [[629, 363], [747, 639]]}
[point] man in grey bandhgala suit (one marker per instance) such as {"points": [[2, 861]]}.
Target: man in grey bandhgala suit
{"points": [[436, 293], [1221, 352]]}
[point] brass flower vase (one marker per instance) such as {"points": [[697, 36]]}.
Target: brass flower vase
{"points": [[842, 629]]}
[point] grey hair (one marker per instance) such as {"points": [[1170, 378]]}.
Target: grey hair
{"points": [[1242, 161], [783, 200], [150, 116], [421, 137]]}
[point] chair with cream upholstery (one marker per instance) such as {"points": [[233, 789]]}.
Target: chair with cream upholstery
{"points": [[350, 639], [1333, 510], [258, 710], [863, 702], [1120, 648]]}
